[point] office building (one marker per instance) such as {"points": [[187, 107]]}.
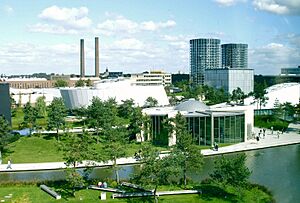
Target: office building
{"points": [[204, 54], [5, 102], [230, 79], [234, 56], [290, 71], [151, 78]]}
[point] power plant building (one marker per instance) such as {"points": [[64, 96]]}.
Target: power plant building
{"points": [[204, 54]]}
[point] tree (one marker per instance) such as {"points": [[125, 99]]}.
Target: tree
{"points": [[126, 109], [41, 107], [259, 95], [94, 115], [231, 171], [79, 83], [76, 148], [238, 96], [185, 154], [116, 139], [56, 114], [5, 134], [30, 116], [74, 179], [288, 111], [88, 83], [155, 170], [61, 83], [151, 102]]}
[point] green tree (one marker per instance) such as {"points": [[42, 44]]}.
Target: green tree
{"points": [[185, 154], [259, 95], [231, 171], [88, 83], [155, 170], [95, 116], [30, 116], [61, 83], [288, 111], [56, 114], [115, 141], [151, 102], [41, 107], [79, 83], [76, 148], [5, 134], [13, 106], [238, 96], [126, 109]]}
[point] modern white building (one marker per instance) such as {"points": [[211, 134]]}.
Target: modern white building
{"points": [[120, 89], [22, 96], [220, 123], [280, 93], [152, 78], [230, 79]]}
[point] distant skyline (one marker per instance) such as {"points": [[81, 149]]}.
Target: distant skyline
{"points": [[134, 35]]}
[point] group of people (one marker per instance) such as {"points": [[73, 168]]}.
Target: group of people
{"points": [[102, 185]]}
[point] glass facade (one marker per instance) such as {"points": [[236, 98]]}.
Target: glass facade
{"points": [[226, 129], [204, 54], [234, 55]]}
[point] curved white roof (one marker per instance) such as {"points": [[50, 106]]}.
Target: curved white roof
{"points": [[284, 92], [119, 89]]}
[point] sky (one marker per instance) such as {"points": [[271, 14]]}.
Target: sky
{"points": [[136, 36]]}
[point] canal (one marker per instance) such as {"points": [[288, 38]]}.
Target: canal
{"points": [[276, 168]]}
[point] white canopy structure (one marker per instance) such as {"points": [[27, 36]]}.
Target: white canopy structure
{"points": [[119, 89]]}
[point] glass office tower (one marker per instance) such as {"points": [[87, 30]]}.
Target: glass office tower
{"points": [[234, 56], [204, 54]]}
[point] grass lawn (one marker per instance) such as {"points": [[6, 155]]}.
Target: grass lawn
{"points": [[43, 148], [19, 117], [32, 193]]}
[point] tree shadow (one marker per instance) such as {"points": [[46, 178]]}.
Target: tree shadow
{"points": [[61, 188], [213, 191], [49, 136], [141, 199]]}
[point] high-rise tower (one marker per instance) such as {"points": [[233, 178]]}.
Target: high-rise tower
{"points": [[235, 56], [204, 54]]}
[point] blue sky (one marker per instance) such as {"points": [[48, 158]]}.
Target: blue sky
{"points": [[43, 36]]}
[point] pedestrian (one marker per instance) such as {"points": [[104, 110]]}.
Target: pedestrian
{"points": [[282, 130], [264, 133], [272, 130], [278, 134], [9, 164], [257, 138]]}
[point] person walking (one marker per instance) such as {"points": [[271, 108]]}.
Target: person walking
{"points": [[272, 130], [278, 134], [9, 164], [264, 133]]}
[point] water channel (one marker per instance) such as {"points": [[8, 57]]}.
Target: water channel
{"points": [[276, 168]]}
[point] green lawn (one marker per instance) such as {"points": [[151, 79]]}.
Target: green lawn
{"points": [[32, 193], [44, 148]]}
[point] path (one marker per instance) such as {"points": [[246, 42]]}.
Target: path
{"points": [[292, 136]]}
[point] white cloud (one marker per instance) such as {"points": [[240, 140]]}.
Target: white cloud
{"points": [[282, 7], [229, 2], [71, 17], [57, 20], [121, 25], [152, 26], [269, 59], [8, 9], [130, 43]]}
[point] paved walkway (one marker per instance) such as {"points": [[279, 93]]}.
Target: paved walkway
{"points": [[292, 136]]}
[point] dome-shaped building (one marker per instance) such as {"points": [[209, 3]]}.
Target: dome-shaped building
{"points": [[219, 123]]}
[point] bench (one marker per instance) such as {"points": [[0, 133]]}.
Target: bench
{"points": [[50, 192], [94, 187]]}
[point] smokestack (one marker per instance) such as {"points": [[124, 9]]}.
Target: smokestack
{"points": [[82, 66], [97, 57]]}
